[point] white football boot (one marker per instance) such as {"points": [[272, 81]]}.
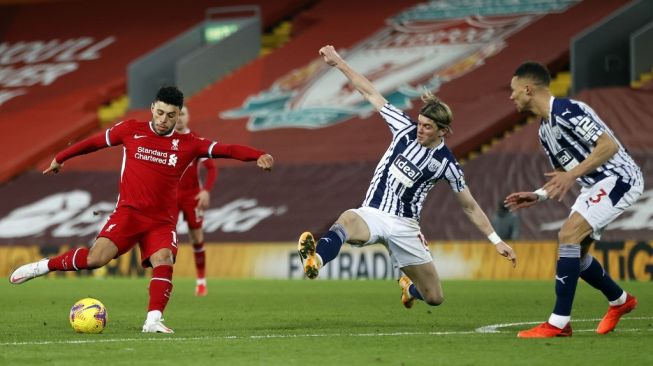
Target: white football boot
{"points": [[154, 323], [28, 271], [156, 327]]}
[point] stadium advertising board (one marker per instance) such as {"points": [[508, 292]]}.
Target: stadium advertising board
{"points": [[70, 208], [629, 260]]}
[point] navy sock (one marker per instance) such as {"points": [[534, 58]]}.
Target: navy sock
{"points": [[329, 245], [413, 292], [567, 273], [594, 274]]}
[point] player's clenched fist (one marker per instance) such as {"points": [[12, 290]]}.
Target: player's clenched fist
{"points": [[265, 162], [331, 57]]}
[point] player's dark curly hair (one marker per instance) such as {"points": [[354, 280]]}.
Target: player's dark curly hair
{"points": [[170, 95], [534, 71], [436, 110]]}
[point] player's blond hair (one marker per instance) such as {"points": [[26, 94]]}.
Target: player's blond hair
{"points": [[436, 110]]}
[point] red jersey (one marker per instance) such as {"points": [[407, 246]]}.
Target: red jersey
{"points": [[153, 164], [190, 183]]}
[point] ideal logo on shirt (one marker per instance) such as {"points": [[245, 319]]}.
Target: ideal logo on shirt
{"points": [[404, 171]]}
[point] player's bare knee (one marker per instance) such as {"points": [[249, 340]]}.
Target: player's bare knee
{"points": [[162, 257], [347, 218], [432, 296], [434, 299]]}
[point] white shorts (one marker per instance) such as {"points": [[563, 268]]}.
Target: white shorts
{"points": [[401, 235], [603, 202]]}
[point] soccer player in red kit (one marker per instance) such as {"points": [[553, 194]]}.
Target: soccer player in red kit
{"points": [[155, 157], [193, 198]]}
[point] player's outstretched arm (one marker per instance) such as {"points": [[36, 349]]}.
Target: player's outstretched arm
{"points": [[83, 147], [518, 200], [480, 220], [243, 153], [360, 82]]}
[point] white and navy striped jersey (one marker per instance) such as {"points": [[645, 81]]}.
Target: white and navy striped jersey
{"points": [[407, 171], [569, 136]]}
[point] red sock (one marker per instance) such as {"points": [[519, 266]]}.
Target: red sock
{"points": [[200, 259], [72, 260], [160, 288]]}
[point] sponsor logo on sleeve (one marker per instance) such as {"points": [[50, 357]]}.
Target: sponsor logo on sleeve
{"points": [[566, 160], [585, 127]]}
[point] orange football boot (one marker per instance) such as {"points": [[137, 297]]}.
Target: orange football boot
{"points": [[611, 318], [546, 330], [406, 298], [306, 248]]}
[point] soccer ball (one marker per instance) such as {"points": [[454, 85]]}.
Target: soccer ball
{"points": [[88, 316]]}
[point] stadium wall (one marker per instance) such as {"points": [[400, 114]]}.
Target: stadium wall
{"points": [[55, 71], [624, 260]]}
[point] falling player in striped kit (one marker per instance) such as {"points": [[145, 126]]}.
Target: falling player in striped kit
{"points": [[416, 159], [581, 148], [155, 157], [193, 197]]}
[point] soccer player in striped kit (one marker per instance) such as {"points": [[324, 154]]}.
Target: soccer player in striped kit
{"points": [[581, 149], [193, 197], [415, 160], [155, 157]]}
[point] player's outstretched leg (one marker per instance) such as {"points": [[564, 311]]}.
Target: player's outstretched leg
{"points": [[72, 260], [314, 255], [29, 271], [615, 312], [310, 260]]}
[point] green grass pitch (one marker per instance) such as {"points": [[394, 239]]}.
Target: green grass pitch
{"points": [[267, 322]]}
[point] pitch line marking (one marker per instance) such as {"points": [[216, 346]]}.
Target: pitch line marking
{"points": [[492, 329]]}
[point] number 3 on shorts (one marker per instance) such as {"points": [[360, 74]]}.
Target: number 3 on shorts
{"points": [[597, 198]]}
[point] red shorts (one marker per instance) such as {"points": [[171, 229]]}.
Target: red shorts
{"points": [[126, 227], [193, 215]]}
